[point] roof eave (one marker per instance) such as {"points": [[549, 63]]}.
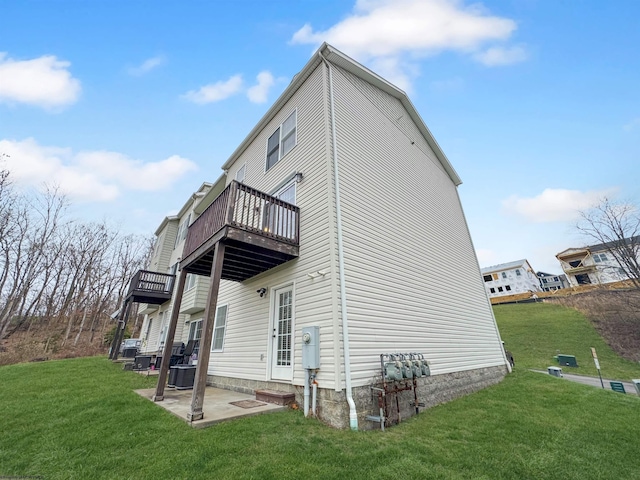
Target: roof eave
{"points": [[363, 72]]}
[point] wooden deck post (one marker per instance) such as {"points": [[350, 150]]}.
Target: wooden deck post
{"points": [[168, 344], [197, 399], [118, 335]]}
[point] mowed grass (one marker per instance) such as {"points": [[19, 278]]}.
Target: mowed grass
{"points": [[535, 332], [81, 419]]}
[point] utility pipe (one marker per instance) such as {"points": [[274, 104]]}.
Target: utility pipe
{"points": [[353, 416], [314, 397]]}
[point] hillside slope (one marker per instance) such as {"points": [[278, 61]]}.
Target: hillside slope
{"points": [[535, 332]]}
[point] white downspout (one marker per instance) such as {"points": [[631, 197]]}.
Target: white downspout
{"points": [[353, 416], [307, 373]]}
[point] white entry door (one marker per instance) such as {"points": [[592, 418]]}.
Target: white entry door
{"points": [[282, 334]]}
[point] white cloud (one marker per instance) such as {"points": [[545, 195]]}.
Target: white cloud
{"points": [[399, 31], [147, 65], [45, 82], [554, 205], [497, 56], [88, 176], [259, 92], [215, 92]]}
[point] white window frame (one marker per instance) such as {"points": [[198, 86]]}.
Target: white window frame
{"points": [[164, 329], [147, 334], [282, 136], [219, 328], [182, 230], [190, 281], [241, 173], [158, 245], [599, 257], [198, 328]]}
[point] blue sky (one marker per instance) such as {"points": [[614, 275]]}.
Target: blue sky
{"points": [[130, 106]]}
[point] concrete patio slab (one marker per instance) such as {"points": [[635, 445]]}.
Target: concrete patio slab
{"points": [[217, 407]]}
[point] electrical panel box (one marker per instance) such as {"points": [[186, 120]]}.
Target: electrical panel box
{"points": [[311, 347]]}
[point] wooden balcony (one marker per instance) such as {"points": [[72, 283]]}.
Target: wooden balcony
{"points": [[259, 231], [151, 287]]}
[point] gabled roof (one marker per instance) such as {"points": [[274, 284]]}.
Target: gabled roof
{"points": [[341, 60], [505, 266], [609, 245]]}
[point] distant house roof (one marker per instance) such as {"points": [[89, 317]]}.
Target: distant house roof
{"points": [[599, 247], [545, 274], [504, 266], [609, 245]]}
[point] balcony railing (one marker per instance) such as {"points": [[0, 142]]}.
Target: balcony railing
{"points": [[259, 232], [247, 209], [151, 287]]}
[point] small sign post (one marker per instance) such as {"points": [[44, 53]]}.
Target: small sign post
{"points": [[595, 360]]}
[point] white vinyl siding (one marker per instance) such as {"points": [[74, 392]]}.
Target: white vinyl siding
{"points": [[195, 298], [246, 344], [161, 261], [413, 282]]}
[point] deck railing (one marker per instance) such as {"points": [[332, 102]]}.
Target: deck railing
{"points": [[152, 282], [248, 209]]}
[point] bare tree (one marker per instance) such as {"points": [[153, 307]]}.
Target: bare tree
{"points": [[58, 276], [616, 224]]}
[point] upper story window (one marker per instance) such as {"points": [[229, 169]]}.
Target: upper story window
{"points": [[599, 257], [240, 173], [158, 245], [182, 230], [518, 272], [504, 274], [487, 278], [281, 141], [190, 281]]}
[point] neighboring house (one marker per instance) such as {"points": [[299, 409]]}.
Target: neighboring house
{"points": [[337, 216], [510, 278], [167, 252], [594, 264], [550, 282]]}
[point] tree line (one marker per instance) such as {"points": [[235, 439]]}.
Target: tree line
{"points": [[58, 273]]}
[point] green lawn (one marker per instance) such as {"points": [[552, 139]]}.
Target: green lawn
{"points": [[535, 332], [81, 419]]}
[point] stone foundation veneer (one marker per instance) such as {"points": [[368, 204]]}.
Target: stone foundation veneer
{"points": [[334, 410]]}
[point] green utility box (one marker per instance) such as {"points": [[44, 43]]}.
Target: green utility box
{"points": [[567, 360], [617, 387]]}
